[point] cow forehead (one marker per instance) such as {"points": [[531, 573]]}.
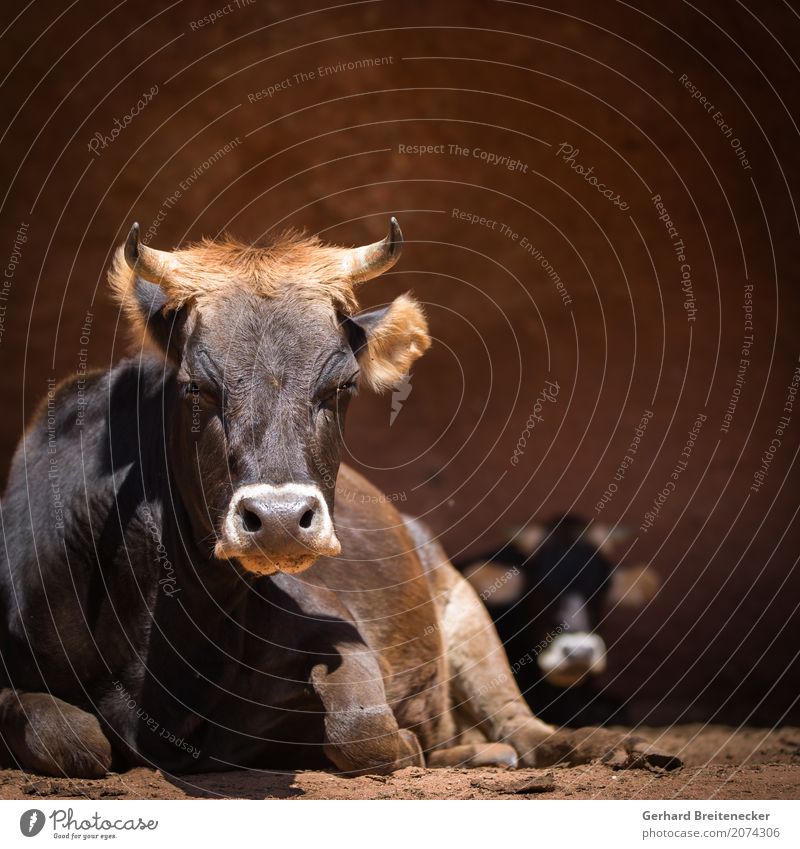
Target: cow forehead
{"points": [[251, 332], [271, 320], [580, 570]]}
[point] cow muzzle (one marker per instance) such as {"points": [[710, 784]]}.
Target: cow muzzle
{"points": [[277, 528], [571, 657]]}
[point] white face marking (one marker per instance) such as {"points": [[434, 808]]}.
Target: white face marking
{"points": [[316, 540], [571, 656]]}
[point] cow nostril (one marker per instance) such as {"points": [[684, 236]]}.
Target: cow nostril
{"points": [[250, 521], [306, 519]]}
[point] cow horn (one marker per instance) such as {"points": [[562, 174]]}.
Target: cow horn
{"points": [[362, 264], [154, 266]]}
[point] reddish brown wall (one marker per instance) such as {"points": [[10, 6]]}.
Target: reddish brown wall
{"points": [[517, 82]]}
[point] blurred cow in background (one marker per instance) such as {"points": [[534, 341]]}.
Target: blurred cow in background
{"points": [[548, 590]]}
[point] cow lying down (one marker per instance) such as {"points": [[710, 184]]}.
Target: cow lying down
{"points": [[174, 589], [548, 590]]}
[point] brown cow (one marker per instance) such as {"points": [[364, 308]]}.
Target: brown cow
{"points": [[193, 602]]}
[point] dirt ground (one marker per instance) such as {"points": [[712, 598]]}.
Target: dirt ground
{"points": [[719, 762]]}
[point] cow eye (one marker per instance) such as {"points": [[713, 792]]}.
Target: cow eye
{"points": [[332, 396], [348, 386], [196, 391]]}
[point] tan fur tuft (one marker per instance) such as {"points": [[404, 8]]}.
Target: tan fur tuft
{"points": [[394, 344], [296, 264]]}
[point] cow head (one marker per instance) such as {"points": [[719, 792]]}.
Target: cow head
{"points": [[562, 592], [569, 577], [266, 348], [574, 584]]}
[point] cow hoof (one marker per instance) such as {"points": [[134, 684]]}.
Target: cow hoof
{"points": [[56, 738], [476, 755], [611, 748], [410, 750], [635, 753], [526, 738]]}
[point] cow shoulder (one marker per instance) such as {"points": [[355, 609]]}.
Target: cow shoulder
{"points": [[379, 575], [367, 520]]}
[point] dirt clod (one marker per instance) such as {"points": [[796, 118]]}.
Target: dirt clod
{"points": [[518, 783]]}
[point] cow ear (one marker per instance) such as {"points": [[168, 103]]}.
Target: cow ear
{"points": [[496, 584], [388, 340], [163, 326], [633, 586], [608, 539], [527, 538]]}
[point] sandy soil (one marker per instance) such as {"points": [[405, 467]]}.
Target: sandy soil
{"points": [[720, 762]]}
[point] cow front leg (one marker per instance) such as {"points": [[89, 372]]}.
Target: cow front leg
{"points": [[41, 733], [361, 731], [484, 684]]}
